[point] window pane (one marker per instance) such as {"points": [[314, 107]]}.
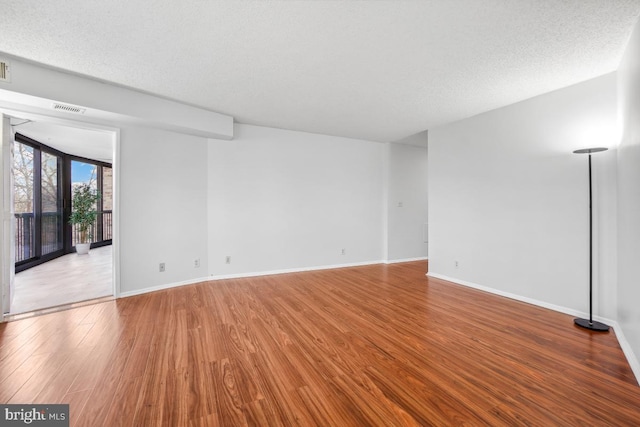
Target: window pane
{"points": [[107, 203], [107, 188], [23, 200], [83, 173], [51, 205]]}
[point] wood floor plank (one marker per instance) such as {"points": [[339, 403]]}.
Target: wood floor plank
{"points": [[176, 398], [62, 380], [150, 408], [257, 413], [100, 379], [202, 393], [376, 345], [21, 376], [228, 399], [315, 407], [41, 379], [76, 402]]}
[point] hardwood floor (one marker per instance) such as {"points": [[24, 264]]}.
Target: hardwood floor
{"points": [[64, 280], [365, 346]]}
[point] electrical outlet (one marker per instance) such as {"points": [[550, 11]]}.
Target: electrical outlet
{"points": [[196, 263], [344, 251], [228, 260], [456, 264], [162, 267]]}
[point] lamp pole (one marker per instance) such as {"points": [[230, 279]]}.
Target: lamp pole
{"points": [[590, 323]]}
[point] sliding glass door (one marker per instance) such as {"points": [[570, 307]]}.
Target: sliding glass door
{"points": [[43, 186], [24, 201], [99, 177], [38, 204], [52, 221], [83, 173]]}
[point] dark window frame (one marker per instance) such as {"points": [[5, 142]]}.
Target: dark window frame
{"points": [[64, 182], [99, 181]]}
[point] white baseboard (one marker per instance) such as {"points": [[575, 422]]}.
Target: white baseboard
{"points": [[161, 287], [291, 270], [627, 350], [624, 344], [396, 261]]}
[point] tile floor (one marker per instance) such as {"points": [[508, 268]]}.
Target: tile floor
{"points": [[65, 280]]}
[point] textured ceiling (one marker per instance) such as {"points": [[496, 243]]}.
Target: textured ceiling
{"points": [[377, 70]]}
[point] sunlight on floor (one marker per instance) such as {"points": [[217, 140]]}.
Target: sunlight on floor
{"points": [[68, 279]]}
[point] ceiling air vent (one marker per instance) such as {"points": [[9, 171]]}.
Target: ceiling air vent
{"points": [[4, 71], [68, 108]]}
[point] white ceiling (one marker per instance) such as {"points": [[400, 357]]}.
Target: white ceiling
{"points": [[88, 143], [376, 70]]}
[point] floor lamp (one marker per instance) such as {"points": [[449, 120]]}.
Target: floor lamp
{"points": [[590, 323]]}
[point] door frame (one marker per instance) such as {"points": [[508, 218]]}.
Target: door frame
{"points": [[6, 241], [7, 261]]}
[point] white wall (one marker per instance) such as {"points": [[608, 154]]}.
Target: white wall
{"points": [[508, 200], [629, 194], [163, 208], [407, 201], [272, 199], [282, 200]]}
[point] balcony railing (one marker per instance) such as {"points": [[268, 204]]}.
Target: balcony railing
{"points": [[51, 240], [24, 236], [101, 230]]}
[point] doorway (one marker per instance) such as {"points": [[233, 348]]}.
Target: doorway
{"points": [[49, 160]]}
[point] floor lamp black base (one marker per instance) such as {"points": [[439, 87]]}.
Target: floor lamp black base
{"points": [[594, 326]]}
